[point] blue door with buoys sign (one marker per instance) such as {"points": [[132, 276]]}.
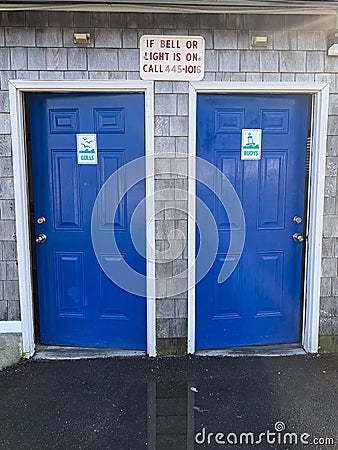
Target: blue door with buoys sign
{"points": [[77, 142], [259, 142]]}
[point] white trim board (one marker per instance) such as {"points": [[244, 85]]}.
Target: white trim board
{"points": [[17, 89], [10, 326], [320, 92]]}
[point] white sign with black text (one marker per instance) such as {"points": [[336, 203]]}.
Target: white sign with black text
{"points": [[172, 58]]}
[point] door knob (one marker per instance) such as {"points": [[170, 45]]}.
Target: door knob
{"points": [[40, 238], [298, 237]]}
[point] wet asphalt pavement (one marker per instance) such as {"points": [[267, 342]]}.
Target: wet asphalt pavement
{"points": [[168, 403]]}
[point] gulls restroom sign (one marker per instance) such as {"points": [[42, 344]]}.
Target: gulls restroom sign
{"points": [[251, 144], [86, 148]]}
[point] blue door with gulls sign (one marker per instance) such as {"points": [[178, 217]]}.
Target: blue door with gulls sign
{"points": [[260, 302], [77, 142]]}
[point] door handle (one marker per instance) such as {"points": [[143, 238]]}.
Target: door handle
{"points": [[40, 238], [298, 237]]}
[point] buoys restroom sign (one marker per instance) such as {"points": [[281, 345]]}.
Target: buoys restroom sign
{"points": [[179, 58], [251, 144]]}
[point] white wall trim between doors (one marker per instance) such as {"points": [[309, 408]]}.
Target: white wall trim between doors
{"points": [[17, 89], [320, 92]]}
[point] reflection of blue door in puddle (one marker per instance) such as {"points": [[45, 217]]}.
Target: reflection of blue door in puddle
{"points": [[78, 303], [260, 303]]}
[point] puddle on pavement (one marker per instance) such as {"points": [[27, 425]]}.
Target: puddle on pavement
{"points": [[170, 416], [212, 415], [187, 416]]}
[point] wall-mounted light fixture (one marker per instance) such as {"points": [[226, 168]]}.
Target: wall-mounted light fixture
{"points": [[81, 38], [332, 47], [259, 41]]}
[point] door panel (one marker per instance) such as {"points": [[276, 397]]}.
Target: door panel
{"points": [[260, 303], [78, 303]]}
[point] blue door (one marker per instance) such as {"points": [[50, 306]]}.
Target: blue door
{"points": [[260, 303], [78, 303]]}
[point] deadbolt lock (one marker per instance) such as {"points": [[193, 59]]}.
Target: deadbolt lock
{"points": [[40, 220], [297, 219]]}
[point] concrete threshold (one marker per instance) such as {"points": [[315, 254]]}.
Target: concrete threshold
{"points": [[51, 352], [256, 350]]}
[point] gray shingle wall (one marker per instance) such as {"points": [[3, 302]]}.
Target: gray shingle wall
{"points": [[39, 45]]}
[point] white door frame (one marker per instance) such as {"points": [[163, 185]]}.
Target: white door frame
{"points": [[320, 92], [17, 89]]}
